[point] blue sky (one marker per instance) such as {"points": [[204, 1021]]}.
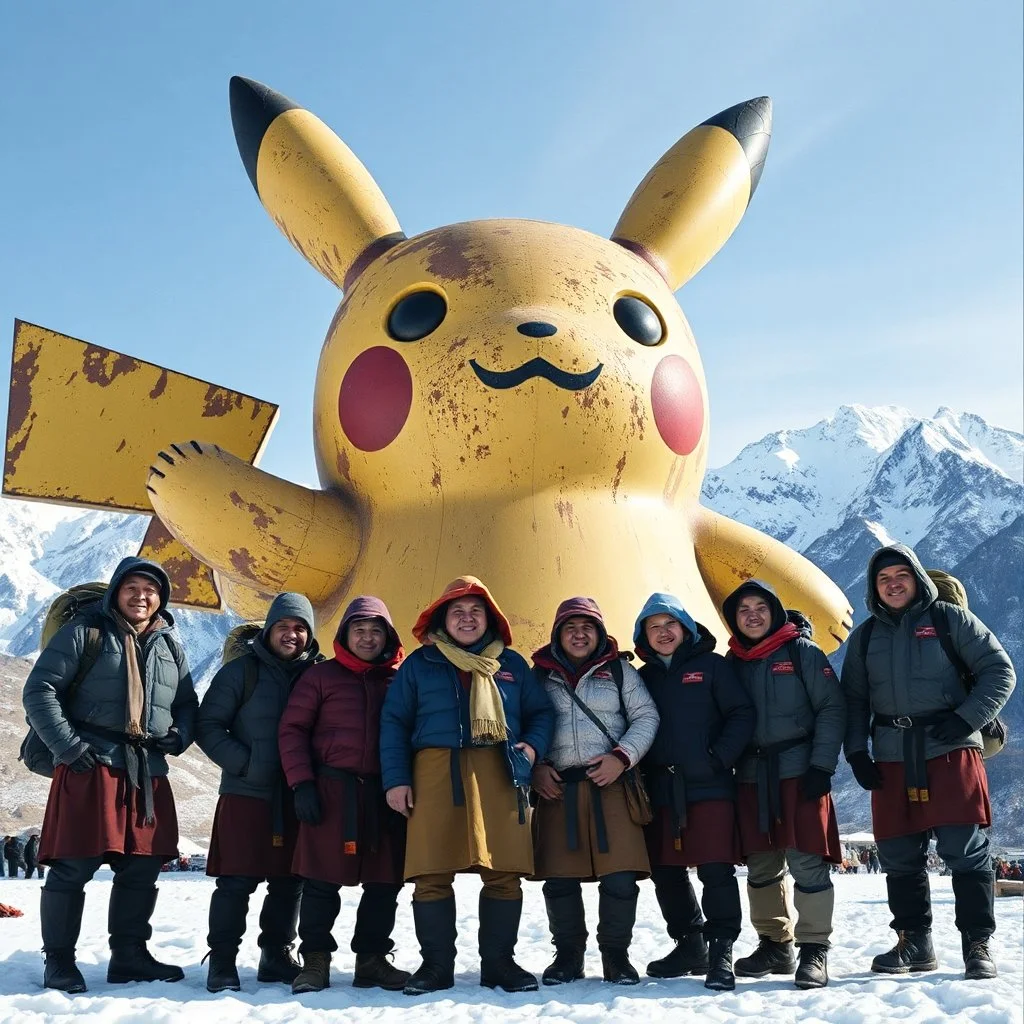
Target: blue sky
{"points": [[879, 262]]}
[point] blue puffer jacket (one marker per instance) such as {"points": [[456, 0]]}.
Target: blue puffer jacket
{"points": [[427, 706]]}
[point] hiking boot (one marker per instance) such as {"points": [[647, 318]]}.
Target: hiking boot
{"points": [[770, 957], [978, 962], [567, 966], [315, 974], [61, 973], [812, 971], [134, 962], [430, 977], [913, 952], [720, 976], [617, 968], [278, 964], [436, 930], [222, 975], [499, 929], [374, 970], [689, 957]]}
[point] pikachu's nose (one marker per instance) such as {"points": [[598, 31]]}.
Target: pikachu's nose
{"points": [[537, 329]]}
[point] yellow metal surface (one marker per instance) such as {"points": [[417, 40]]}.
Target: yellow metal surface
{"points": [[192, 582]]}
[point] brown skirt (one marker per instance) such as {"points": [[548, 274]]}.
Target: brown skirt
{"points": [[322, 853], [95, 813], [958, 791], [482, 832], [809, 826], [242, 842], [626, 848], [711, 836]]}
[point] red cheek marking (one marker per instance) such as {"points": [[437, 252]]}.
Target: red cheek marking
{"points": [[375, 398], [678, 404]]}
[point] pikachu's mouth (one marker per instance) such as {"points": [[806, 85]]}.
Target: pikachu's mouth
{"points": [[503, 379]]}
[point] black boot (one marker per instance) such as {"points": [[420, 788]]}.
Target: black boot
{"points": [[689, 957], [568, 926], [128, 917], [616, 916], [978, 962], [812, 972], [913, 952], [278, 965], [278, 920], [684, 923], [720, 976], [770, 957], [60, 916], [228, 907], [499, 930], [315, 974], [375, 970], [222, 974], [436, 931], [974, 896]]}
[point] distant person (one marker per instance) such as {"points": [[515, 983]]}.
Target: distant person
{"points": [[109, 799], [13, 855], [31, 855], [254, 828], [925, 770], [786, 815]]}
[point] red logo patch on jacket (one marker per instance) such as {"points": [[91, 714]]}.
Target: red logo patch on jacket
{"points": [[602, 674], [925, 632], [693, 677], [505, 677], [782, 668]]}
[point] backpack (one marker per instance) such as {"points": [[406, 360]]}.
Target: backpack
{"points": [[78, 602], [994, 734]]}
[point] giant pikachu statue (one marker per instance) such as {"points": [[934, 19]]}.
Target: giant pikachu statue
{"points": [[517, 400]]}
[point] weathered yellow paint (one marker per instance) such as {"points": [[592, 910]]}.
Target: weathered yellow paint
{"points": [[192, 582]]}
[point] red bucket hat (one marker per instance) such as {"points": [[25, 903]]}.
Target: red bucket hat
{"points": [[464, 586]]}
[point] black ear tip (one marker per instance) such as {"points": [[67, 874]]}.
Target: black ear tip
{"points": [[750, 123], [253, 108]]}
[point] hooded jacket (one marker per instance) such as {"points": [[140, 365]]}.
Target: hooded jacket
{"points": [[786, 707], [707, 717], [241, 738], [907, 673], [333, 714], [100, 698]]}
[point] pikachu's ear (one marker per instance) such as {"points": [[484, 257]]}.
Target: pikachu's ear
{"points": [[692, 199], [313, 186]]}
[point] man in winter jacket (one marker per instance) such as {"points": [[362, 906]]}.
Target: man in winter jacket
{"points": [[786, 815], [109, 798], [463, 722], [13, 855], [31, 854], [329, 740], [582, 827], [707, 720], [254, 827], [925, 770]]}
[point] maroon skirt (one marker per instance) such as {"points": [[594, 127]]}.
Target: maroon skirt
{"points": [[809, 826], [957, 789], [96, 813], [327, 853], [243, 842], [711, 836]]}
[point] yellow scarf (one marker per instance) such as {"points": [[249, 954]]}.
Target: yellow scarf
{"points": [[486, 711]]}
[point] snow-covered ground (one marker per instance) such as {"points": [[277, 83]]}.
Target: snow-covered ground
{"points": [[855, 996]]}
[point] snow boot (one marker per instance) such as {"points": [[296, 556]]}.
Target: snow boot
{"points": [[499, 929], [436, 930], [978, 962], [616, 915], [374, 970], [689, 957], [278, 919], [315, 975], [720, 976], [812, 971], [60, 916], [128, 915], [277, 965], [769, 958], [684, 923], [222, 974], [617, 969], [568, 926], [974, 896], [913, 952]]}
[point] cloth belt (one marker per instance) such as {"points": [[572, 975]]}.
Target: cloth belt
{"points": [[572, 777], [915, 764], [673, 784], [373, 791], [769, 794], [136, 761]]}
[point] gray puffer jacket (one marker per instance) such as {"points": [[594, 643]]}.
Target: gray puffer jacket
{"points": [[788, 708], [100, 699], [576, 739], [907, 672]]}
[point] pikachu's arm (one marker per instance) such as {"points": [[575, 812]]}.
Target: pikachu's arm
{"points": [[729, 553], [262, 532]]}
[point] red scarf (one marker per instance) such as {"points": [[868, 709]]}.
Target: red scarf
{"points": [[356, 664], [767, 646]]}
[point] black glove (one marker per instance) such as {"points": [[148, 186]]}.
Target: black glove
{"points": [[815, 783], [865, 771], [169, 744], [950, 728], [307, 803], [85, 762]]}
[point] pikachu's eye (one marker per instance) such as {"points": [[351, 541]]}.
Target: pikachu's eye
{"points": [[638, 320], [416, 315]]}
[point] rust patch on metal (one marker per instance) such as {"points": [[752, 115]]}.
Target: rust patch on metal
{"points": [[619, 468], [482, 451], [94, 365], [604, 270], [450, 256], [435, 480], [260, 519], [565, 413], [243, 562], [565, 511], [160, 386], [457, 344], [121, 446], [220, 401], [376, 248], [19, 408], [343, 464]]}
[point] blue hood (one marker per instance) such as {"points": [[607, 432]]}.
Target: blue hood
{"points": [[664, 604]]}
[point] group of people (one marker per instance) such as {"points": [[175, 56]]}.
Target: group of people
{"points": [[24, 856], [1008, 870], [371, 767]]}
